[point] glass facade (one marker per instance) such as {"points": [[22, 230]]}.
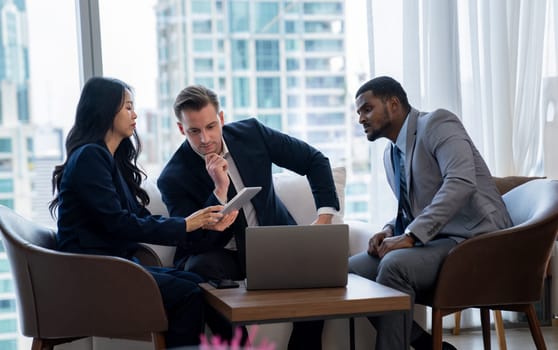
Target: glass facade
{"points": [[282, 62], [5, 145], [8, 344], [242, 96], [240, 55], [27, 59], [239, 16], [267, 55], [203, 45], [267, 17], [6, 185], [16, 160], [269, 93]]}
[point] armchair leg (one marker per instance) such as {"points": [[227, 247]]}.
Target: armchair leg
{"points": [[158, 341], [38, 344], [535, 328], [457, 327], [499, 325], [49, 344], [436, 329], [485, 324]]}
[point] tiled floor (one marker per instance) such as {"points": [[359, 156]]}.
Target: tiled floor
{"points": [[516, 339]]}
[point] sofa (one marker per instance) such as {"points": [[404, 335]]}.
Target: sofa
{"points": [[294, 191]]}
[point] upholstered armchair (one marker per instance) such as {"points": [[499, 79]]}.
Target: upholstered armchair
{"points": [[505, 269], [62, 297]]}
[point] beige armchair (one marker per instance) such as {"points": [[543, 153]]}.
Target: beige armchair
{"points": [[62, 297]]}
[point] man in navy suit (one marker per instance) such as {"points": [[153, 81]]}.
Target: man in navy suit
{"points": [[218, 160]]}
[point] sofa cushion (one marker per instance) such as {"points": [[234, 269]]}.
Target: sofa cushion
{"points": [[295, 192], [156, 205]]}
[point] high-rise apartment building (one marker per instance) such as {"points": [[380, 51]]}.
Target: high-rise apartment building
{"points": [[48, 153], [283, 62], [16, 144]]}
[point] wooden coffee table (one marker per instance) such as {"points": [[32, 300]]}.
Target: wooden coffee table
{"points": [[361, 297]]}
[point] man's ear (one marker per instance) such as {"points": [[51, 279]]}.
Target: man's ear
{"points": [[181, 128], [221, 117], [394, 104]]}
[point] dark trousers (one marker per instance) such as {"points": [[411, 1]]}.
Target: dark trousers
{"points": [[224, 264], [183, 302], [306, 335]]}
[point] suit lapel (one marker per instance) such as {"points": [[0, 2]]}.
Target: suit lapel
{"points": [[411, 141]]}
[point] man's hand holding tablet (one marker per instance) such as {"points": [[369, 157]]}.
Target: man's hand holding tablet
{"points": [[240, 199]]}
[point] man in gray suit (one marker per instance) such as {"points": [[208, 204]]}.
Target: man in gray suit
{"points": [[445, 195]]}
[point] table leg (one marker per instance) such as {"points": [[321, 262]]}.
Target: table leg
{"points": [[352, 333], [406, 329]]}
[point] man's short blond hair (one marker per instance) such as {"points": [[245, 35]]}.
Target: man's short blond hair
{"points": [[195, 97]]}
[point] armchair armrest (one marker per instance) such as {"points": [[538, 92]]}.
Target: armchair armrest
{"points": [[117, 291], [498, 261], [164, 254], [148, 256]]}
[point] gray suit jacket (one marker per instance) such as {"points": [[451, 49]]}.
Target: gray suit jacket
{"points": [[451, 190]]}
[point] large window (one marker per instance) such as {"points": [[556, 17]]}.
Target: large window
{"points": [[267, 19], [6, 185], [269, 92], [331, 82], [240, 54], [240, 16], [203, 64], [202, 26], [323, 45], [6, 285], [10, 344], [203, 45], [201, 7], [39, 85], [267, 55], [5, 145], [323, 8], [241, 92]]}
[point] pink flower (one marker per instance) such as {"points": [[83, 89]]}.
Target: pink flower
{"points": [[216, 343]]}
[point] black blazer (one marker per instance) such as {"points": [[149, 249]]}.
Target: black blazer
{"points": [[186, 186], [98, 214]]}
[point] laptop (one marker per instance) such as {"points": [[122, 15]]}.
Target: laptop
{"points": [[302, 256]]}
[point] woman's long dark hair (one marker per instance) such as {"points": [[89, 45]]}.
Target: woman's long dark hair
{"points": [[101, 99]]}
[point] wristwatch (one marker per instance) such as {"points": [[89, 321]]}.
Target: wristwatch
{"points": [[410, 234]]}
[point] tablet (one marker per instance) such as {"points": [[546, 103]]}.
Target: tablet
{"points": [[240, 199]]}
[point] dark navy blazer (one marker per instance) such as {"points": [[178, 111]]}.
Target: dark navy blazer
{"points": [[186, 186], [98, 213]]}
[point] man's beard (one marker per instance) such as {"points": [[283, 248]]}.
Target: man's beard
{"points": [[380, 132]]}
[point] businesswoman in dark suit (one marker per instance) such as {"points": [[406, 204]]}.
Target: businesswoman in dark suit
{"points": [[101, 207]]}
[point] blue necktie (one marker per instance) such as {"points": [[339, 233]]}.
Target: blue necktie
{"points": [[403, 207]]}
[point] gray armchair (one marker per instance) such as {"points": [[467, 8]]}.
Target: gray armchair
{"points": [[62, 297]]}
